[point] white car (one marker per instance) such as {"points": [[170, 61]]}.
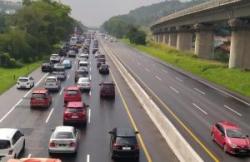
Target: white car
{"points": [[83, 57], [25, 82], [84, 83], [12, 142], [55, 58], [64, 139], [71, 53], [52, 83], [83, 64]]}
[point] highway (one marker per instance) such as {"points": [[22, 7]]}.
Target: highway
{"points": [[196, 106], [37, 124]]}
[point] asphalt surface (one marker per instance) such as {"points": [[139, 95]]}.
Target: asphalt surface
{"points": [[196, 105], [37, 124]]}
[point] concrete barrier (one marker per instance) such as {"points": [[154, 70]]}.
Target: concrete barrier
{"points": [[181, 148]]}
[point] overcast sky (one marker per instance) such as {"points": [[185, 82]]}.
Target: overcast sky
{"points": [[94, 12]]}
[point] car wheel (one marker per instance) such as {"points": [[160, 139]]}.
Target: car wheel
{"points": [[15, 156], [225, 148]]}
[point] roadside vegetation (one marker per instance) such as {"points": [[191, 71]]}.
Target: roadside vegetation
{"points": [[9, 76], [216, 72]]}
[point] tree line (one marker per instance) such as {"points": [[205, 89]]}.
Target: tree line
{"points": [[33, 31]]}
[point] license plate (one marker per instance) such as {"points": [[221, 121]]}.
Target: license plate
{"points": [[126, 148], [62, 145], [74, 117]]}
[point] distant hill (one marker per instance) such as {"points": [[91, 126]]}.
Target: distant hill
{"points": [[145, 16]]}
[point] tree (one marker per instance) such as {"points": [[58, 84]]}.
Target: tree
{"points": [[136, 36]]}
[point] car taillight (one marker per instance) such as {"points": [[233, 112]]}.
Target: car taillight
{"points": [[52, 144], [72, 144], [116, 146], [136, 147], [10, 152]]}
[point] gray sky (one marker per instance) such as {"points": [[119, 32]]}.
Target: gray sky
{"points": [[94, 12]]}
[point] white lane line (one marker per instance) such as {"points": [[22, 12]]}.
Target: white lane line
{"points": [[158, 78], [179, 79], [50, 113], [165, 71], [234, 111], [88, 158], [29, 156], [196, 106], [5, 116], [41, 79], [173, 89], [89, 115], [27, 93], [90, 77], [147, 69], [61, 91], [196, 89], [90, 93], [90, 69]]}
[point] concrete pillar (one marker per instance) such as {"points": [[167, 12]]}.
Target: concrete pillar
{"points": [[166, 38], [161, 38], [240, 44], [184, 39], [204, 41], [172, 39]]}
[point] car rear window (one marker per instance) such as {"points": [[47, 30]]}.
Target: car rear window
{"points": [[4, 144], [51, 80], [108, 86], [126, 140], [74, 110], [64, 135], [38, 95], [72, 92], [23, 80]]}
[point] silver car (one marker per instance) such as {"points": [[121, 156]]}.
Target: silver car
{"points": [[84, 83], [64, 139]]}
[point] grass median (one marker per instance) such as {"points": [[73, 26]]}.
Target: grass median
{"points": [[8, 76], [233, 79]]}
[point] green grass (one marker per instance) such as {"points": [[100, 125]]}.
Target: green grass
{"points": [[233, 79], [8, 76]]}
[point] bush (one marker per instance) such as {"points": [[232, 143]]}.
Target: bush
{"points": [[9, 62], [136, 36]]}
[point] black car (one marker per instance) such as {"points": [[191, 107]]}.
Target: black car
{"points": [[104, 69], [107, 90], [47, 67], [100, 61], [123, 144], [81, 72]]}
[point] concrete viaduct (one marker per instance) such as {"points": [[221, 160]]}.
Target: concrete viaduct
{"points": [[177, 29]]}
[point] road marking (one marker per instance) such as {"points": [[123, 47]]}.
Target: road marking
{"points": [[89, 113], [196, 89], [165, 71], [158, 78], [5, 116], [51, 111], [178, 79], [68, 76], [173, 89], [90, 77], [90, 93], [149, 159], [88, 158], [27, 93], [147, 69], [61, 91], [196, 106], [41, 79], [29, 156], [90, 69], [234, 111]]}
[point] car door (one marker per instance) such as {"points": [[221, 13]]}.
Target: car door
{"points": [[221, 135], [17, 142]]}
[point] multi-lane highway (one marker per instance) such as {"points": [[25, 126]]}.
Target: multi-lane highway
{"points": [[196, 105], [37, 124]]}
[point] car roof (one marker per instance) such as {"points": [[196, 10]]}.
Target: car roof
{"points": [[7, 133], [75, 104], [125, 132], [54, 54], [64, 129], [72, 88], [40, 90], [51, 77], [83, 79], [66, 60], [83, 62], [24, 77], [229, 125]]}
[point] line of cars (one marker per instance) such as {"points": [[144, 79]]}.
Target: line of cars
{"points": [[65, 138]]}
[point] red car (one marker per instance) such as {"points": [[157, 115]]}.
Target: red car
{"points": [[229, 136], [72, 93], [40, 98], [75, 112]]}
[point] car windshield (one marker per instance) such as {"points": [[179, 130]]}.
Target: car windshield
{"points": [[64, 135], [83, 80], [38, 95], [4, 144], [235, 133], [23, 80], [126, 140]]}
